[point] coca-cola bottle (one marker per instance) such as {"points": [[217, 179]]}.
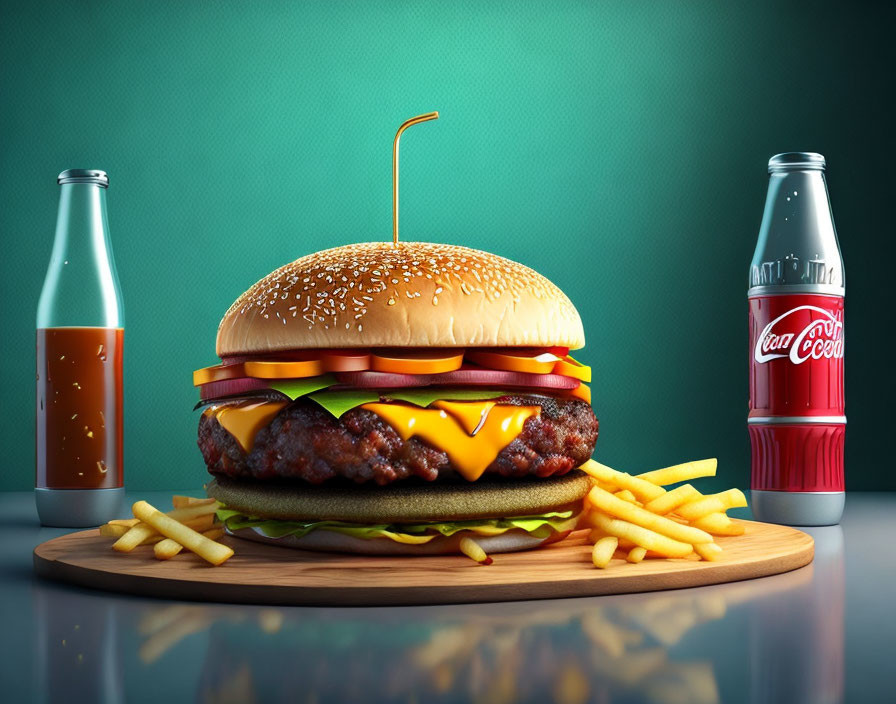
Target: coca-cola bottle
{"points": [[796, 294]]}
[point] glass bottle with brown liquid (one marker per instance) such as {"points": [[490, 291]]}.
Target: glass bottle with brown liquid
{"points": [[80, 335]]}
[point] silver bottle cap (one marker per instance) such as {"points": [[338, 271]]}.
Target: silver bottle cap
{"points": [[100, 178], [796, 161]]}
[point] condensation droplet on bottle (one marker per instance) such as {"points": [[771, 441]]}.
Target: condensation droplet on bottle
{"points": [[65, 262], [788, 198], [795, 193]]}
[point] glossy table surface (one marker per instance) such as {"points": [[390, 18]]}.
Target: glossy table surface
{"points": [[823, 633]]}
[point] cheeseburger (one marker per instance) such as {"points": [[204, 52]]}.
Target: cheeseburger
{"points": [[407, 398]]}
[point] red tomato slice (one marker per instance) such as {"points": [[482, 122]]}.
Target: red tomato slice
{"points": [[345, 360]]}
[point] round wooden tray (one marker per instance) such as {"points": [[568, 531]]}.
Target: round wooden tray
{"points": [[266, 574]]}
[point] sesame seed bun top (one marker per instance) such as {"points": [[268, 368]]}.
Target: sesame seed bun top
{"points": [[413, 294]]}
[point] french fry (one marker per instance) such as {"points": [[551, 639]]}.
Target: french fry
{"points": [[596, 534], [708, 551], [603, 550], [718, 524], [474, 551], [605, 501], [626, 495], [636, 554], [129, 522], [167, 525], [681, 472], [671, 500], [714, 503], [646, 538], [141, 532], [643, 490], [184, 501], [168, 548], [113, 530]]}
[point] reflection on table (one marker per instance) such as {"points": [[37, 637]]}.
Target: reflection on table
{"points": [[663, 647]]}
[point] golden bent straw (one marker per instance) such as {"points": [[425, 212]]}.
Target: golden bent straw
{"points": [[404, 126]]}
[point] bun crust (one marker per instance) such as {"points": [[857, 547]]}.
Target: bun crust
{"points": [[413, 294]]}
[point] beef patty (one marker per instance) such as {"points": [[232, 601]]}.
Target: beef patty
{"points": [[304, 441]]}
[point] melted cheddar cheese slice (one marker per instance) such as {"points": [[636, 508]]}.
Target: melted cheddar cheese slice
{"points": [[243, 421], [471, 433]]}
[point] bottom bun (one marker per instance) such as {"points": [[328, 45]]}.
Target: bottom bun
{"points": [[331, 541]]}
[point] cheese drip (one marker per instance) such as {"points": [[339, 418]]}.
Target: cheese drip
{"points": [[470, 433], [243, 421]]}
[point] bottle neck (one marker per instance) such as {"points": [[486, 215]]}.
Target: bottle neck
{"points": [[797, 248], [81, 287]]}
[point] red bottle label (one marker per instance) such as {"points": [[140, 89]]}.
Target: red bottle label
{"points": [[796, 355], [796, 372]]}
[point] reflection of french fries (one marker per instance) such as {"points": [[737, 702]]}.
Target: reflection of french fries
{"points": [[646, 538], [168, 548], [605, 501], [166, 638], [681, 472], [208, 550]]}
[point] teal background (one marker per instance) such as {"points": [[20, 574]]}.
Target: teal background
{"points": [[618, 147]]}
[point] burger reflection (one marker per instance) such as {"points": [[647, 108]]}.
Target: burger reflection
{"points": [[569, 652]]}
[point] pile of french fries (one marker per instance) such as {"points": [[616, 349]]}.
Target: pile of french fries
{"points": [[190, 525], [635, 517]]}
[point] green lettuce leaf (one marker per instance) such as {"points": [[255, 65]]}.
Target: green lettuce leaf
{"points": [[294, 388], [425, 395], [409, 533], [339, 402]]}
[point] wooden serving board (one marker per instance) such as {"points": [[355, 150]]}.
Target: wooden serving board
{"points": [[267, 574]]}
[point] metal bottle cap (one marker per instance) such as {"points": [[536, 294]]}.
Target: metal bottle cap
{"points": [[796, 161], [96, 176]]}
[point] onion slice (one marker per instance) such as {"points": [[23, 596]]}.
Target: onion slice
{"points": [[229, 387], [383, 380], [469, 376], [498, 377]]}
